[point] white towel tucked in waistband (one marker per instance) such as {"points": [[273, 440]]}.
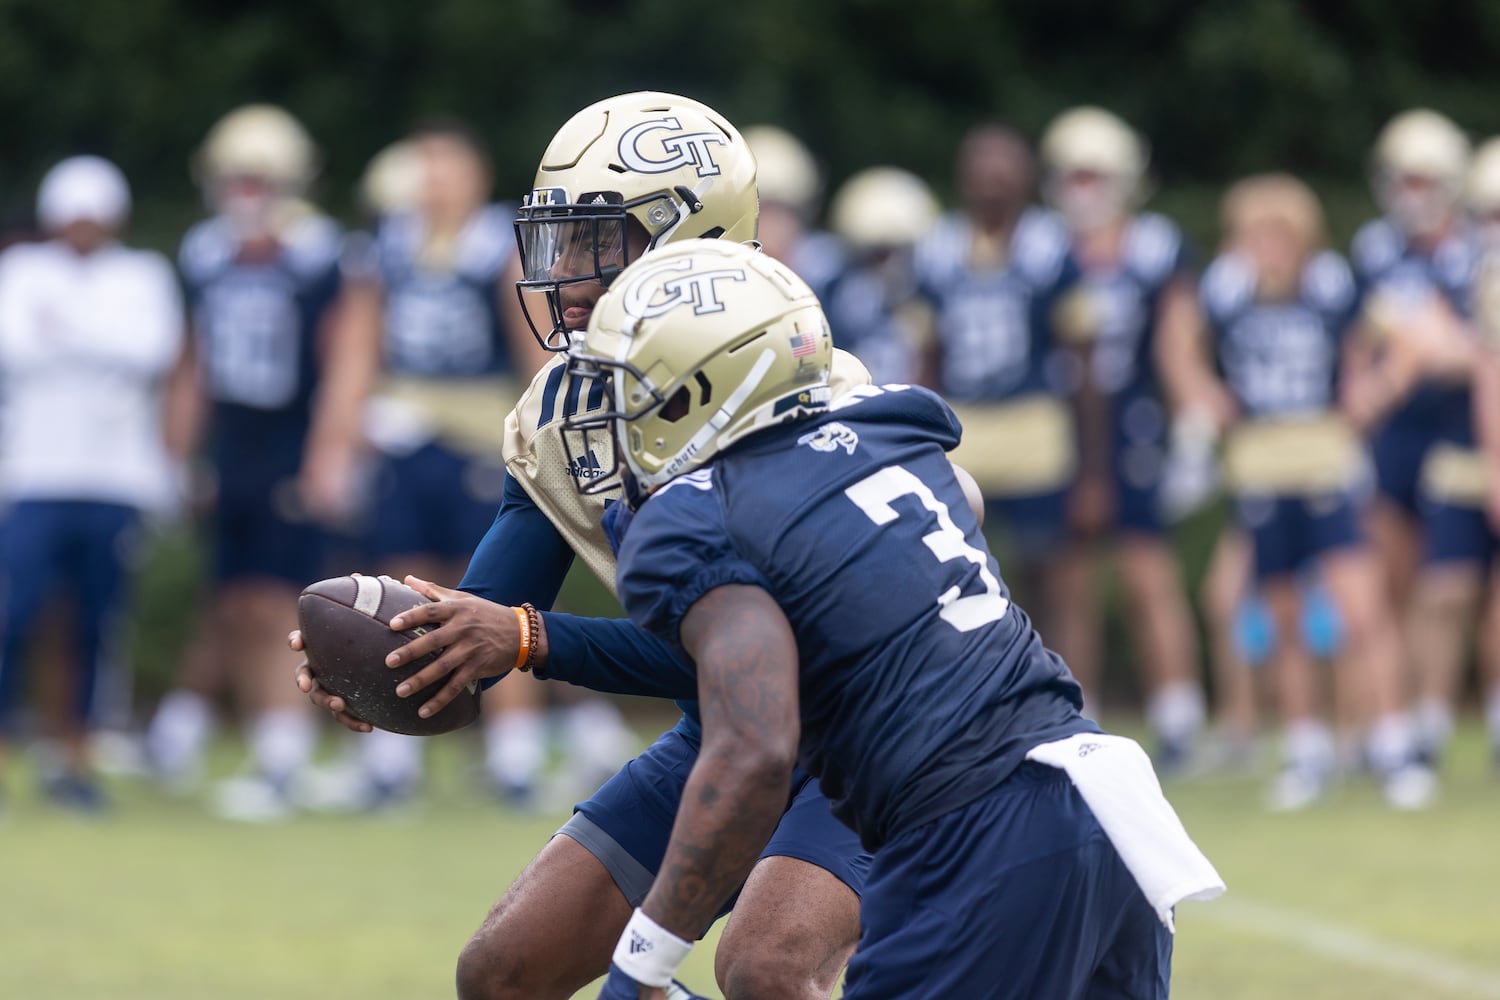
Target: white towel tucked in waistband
{"points": [[1114, 776]]}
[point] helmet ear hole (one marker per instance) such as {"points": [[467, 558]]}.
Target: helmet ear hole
{"points": [[677, 407]]}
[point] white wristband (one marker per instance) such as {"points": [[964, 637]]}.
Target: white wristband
{"points": [[648, 952]]}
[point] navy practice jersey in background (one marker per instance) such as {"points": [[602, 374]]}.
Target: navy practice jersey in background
{"points": [[1280, 359], [445, 320], [256, 325], [995, 320], [1384, 260], [1127, 302], [922, 687]]}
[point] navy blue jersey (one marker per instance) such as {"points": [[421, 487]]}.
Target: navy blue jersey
{"points": [[1127, 300], [1280, 359], [445, 320], [818, 259], [995, 323], [1384, 260], [870, 310], [256, 325], [922, 687]]}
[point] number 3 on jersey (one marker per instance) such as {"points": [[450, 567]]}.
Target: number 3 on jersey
{"points": [[874, 495]]}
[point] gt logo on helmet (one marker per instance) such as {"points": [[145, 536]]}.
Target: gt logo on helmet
{"points": [[697, 288], [690, 149]]}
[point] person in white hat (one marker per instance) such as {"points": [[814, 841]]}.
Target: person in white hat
{"points": [[90, 332]]}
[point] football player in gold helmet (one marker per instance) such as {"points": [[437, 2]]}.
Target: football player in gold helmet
{"points": [[620, 179], [1145, 324]]}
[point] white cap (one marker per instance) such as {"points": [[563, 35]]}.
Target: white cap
{"points": [[83, 188]]}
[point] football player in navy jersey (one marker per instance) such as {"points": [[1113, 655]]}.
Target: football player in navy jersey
{"points": [[1483, 197], [791, 186], [1416, 264], [874, 307], [1003, 284], [623, 178], [1280, 308], [817, 560], [261, 276], [1142, 298]]}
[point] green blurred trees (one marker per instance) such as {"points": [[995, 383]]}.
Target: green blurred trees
{"points": [[1221, 88]]}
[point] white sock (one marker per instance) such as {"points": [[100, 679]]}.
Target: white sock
{"points": [[1391, 743], [513, 747], [1308, 743], [179, 731], [282, 742], [1175, 712], [391, 759], [598, 738], [1433, 720]]}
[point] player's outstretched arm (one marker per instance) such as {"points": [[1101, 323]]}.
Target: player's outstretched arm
{"points": [[481, 639], [747, 683]]}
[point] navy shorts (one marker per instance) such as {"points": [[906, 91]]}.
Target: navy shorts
{"points": [[1139, 458], [1034, 525], [83, 551], [1398, 451], [1017, 895], [261, 531], [1455, 534], [433, 502], [628, 822], [1289, 532]]}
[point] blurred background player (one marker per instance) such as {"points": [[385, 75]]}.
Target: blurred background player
{"points": [[1003, 286], [1416, 265], [791, 189], [430, 354], [1484, 205], [1280, 307], [90, 333], [874, 307], [1143, 303], [262, 275]]}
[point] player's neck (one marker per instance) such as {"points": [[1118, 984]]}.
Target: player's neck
{"points": [[1432, 239], [1101, 246]]}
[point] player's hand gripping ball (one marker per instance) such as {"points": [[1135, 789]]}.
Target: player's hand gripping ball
{"points": [[346, 633]]}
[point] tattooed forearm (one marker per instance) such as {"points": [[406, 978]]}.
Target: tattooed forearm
{"points": [[747, 689]]}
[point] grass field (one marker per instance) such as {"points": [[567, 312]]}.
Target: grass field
{"points": [[160, 902]]}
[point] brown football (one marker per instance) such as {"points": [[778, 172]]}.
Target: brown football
{"points": [[346, 635]]}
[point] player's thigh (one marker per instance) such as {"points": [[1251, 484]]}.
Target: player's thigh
{"points": [[792, 929], [551, 933], [796, 920], [1018, 895]]}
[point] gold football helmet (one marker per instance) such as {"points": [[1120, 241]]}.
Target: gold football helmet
{"points": [[699, 345], [392, 182], [786, 172], [1418, 169], [654, 166], [881, 208], [1095, 166], [1483, 186], [260, 141]]}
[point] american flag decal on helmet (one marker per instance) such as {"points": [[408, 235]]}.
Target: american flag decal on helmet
{"points": [[804, 344]]}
